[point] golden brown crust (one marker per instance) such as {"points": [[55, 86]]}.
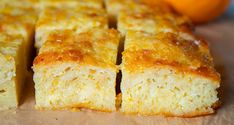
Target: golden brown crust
{"points": [[201, 71], [19, 3], [71, 3], [51, 57], [78, 14], [86, 37], [11, 20], [181, 22], [144, 51], [164, 11], [17, 20], [72, 56], [153, 20]]}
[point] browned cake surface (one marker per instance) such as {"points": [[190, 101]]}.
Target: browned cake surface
{"points": [[66, 46], [145, 50]]}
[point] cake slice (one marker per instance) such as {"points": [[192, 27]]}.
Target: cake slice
{"points": [[12, 70], [16, 35], [164, 74], [77, 70], [79, 19], [19, 21], [114, 7], [154, 22]]}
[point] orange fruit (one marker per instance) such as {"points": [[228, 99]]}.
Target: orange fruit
{"points": [[199, 11]]}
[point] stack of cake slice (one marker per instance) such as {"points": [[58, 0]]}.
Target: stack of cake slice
{"points": [[16, 38], [166, 70]]}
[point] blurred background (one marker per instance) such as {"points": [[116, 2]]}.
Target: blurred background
{"points": [[230, 11]]}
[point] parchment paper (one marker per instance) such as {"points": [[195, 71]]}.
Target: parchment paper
{"points": [[220, 35]]}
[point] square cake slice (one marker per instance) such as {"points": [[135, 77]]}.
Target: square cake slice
{"points": [[18, 20], [12, 70], [164, 74], [114, 7], [154, 22], [16, 34], [77, 70], [78, 19]]}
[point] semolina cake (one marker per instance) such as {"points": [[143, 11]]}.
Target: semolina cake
{"points": [[133, 15], [114, 7], [165, 74], [16, 34], [80, 19], [18, 20], [154, 23], [77, 70], [12, 70]]}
